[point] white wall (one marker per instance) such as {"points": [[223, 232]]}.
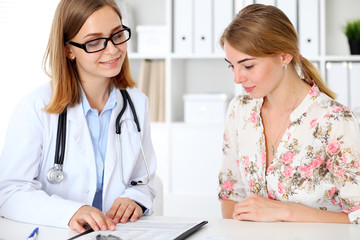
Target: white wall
{"points": [[25, 27]]}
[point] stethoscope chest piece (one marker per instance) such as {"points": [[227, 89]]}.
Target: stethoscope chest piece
{"points": [[55, 174]]}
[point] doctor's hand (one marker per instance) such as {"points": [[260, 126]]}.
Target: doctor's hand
{"points": [[123, 209], [260, 209], [92, 216]]}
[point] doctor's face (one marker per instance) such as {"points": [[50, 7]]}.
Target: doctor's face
{"points": [[103, 64], [259, 76]]}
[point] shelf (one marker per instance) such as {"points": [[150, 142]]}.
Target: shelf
{"points": [[346, 58], [140, 56]]}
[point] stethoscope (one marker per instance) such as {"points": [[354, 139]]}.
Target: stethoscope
{"points": [[55, 174]]}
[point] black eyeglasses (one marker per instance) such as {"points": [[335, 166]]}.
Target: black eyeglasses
{"points": [[99, 44]]}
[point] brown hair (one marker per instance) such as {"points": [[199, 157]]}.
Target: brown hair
{"points": [[264, 31], [69, 17]]}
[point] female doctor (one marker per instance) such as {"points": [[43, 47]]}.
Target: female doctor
{"points": [[73, 154]]}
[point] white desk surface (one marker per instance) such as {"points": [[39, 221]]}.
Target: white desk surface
{"points": [[216, 229]]}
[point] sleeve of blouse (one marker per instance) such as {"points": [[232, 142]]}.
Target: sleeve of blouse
{"points": [[230, 181], [343, 148]]}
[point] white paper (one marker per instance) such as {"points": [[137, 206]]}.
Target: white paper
{"points": [[145, 230]]}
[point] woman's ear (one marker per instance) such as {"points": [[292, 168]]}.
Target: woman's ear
{"points": [[286, 58], [69, 54]]}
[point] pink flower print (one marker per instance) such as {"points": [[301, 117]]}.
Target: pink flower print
{"points": [[263, 158], [288, 157], [343, 158], [332, 192], [224, 197], [333, 201], [339, 172], [245, 173], [314, 91], [329, 166], [246, 161], [253, 117], [251, 184], [316, 163], [355, 208], [334, 147], [237, 162], [260, 178], [226, 138], [270, 168], [336, 109], [313, 123], [305, 171], [356, 164], [281, 188], [271, 195], [346, 108], [327, 115], [228, 185], [288, 172]]}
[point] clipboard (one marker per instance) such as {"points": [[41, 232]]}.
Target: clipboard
{"points": [[181, 231]]}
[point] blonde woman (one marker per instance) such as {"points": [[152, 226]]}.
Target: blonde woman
{"points": [[290, 151], [73, 154]]}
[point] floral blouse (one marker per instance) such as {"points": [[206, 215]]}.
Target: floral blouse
{"points": [[316, 163]]}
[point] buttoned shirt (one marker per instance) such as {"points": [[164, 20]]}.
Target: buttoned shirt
{"points": [[98, 125]]}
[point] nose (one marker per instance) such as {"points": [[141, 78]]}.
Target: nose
{"points": [[238, 77], [111, 48]]}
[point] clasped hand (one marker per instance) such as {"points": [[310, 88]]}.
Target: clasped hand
{"points": [[258, 208], [122, 210]]}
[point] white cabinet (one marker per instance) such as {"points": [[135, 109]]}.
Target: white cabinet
{"points": [[190, 154]]}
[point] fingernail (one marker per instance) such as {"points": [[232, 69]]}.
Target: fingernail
{"points": [[103, 227], [123, 220], [116, 220], [96, 228], [82, 230], [112, 227]]}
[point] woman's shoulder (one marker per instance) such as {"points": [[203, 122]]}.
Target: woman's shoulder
{"points": [[243, 102], [137, 95], [39, 97]]}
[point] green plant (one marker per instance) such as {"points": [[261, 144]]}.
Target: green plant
{"points": [[352, 30]]}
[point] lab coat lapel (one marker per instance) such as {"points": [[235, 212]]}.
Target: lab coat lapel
{"points": [[111, 167], [81, 135]]}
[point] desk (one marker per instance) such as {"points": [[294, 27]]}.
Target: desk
{"points": [[216, 229]]}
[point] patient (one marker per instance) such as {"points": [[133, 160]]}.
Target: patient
{"points": [[290, 151]]}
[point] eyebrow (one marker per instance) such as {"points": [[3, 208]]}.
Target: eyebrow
{"points": [[240, 61], [101, 34]]}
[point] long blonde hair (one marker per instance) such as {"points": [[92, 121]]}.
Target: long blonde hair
{"points": [[69, 17], [262, 31]]}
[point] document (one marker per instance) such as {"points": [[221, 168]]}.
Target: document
{"points": [[149, 229]]}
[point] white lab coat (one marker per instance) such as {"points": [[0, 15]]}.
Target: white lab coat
{"points": [[28, 154]]}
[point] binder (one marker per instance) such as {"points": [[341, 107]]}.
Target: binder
{"points": [[309, 14], [202, 27], [266, 2], [289, 7], [183, 26], [337, 80], [354, 77], [223, 15]]}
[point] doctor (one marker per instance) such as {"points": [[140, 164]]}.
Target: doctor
{"points": [[103, 178]]}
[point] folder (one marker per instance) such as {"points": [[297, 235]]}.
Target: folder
{"points": [[266, 2], [202, 27], [309, 14], [354, 77], [289, 7], [223, 15], [337, 80], [183, 26]]}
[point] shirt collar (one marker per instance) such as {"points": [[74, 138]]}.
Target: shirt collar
{"points": [[110, 104]]}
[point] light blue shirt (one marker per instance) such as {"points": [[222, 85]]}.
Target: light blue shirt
{"points": [[99, 129]]}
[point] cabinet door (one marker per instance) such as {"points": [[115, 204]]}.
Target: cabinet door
{"points": [[195, 158]]}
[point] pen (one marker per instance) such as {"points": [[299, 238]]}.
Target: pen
{"points": [[34, 234]]}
